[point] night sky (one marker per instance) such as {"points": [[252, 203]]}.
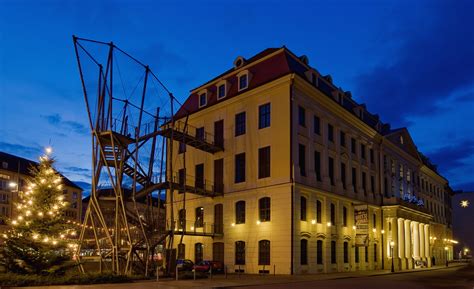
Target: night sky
{"points": [[412, 62]]}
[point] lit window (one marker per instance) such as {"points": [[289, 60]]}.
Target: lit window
{"points": [[264, 209]]}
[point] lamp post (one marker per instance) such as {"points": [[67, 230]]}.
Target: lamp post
{"points": [[446, 249], [392, 244]]}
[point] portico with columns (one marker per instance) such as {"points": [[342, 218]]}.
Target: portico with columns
{"points": [[409, 230]]}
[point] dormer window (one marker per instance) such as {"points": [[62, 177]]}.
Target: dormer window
{"points": [[243, 81], [202, 99], [222, 89]]}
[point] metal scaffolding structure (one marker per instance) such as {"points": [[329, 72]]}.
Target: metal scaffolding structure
{"points": [[123, 227]]}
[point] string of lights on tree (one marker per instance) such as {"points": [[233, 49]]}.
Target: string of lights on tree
{"points": [[40, 209]]}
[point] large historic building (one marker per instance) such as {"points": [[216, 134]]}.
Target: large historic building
{"points": [[14, 171], [306, 180]]}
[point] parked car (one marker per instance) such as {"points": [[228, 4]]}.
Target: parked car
{"points": [[184, 265], [206, 265]]}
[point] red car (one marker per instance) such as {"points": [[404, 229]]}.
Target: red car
{"points": [[205, 266]]}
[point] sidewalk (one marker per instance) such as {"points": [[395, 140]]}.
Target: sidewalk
{"points": [[233, 280]]}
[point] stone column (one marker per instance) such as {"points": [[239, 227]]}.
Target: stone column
{"points": [[421, 228], [427, 244], [401, 242], [416, 241], [408, 248]]}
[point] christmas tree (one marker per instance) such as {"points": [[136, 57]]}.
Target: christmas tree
{"points": [[39, 240]]}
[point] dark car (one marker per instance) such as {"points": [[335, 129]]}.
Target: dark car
{"points": [[184, 265], [206, 265]]}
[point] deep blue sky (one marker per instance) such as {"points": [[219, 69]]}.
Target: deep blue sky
{"points": [[412, 62]]}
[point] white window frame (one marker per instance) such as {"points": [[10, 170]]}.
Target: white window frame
{"points": [[226, 86], [241, 74], [199, 97]]}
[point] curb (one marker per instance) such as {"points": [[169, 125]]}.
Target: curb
{"points": [[344, 277]]}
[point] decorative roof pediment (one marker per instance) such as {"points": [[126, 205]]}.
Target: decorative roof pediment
{"points": [[402, 139]]}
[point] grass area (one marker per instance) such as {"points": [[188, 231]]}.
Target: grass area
{"points": [[9, 279]]}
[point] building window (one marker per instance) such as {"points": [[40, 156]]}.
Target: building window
{"points": [[198, 253], [354, 179], [330, 133], [333, 252], [264, 116], [200, 133], [181, 251], [372, 157], [333, 214], [182, 178], [344, 216], [302, 159], [304, 252], [182, 219], [343, 175], [264, 209], [364, 182], [240, 168], [375, 252], [264, 252], [372, 184], [301, 116], [240, 123], [342, 138], [319, 206], [346, 252], [319, 252], [243, 82], [362, 151], [199, 222], [317, 165], [331, 170], [375, 220], [240, 253], [221, 91], [316, 125], [181, 148], [366, 254], [303, 209], [357, 254], [199, 173], [353, 145], [240, 212], [264, 162], [202, 99]]}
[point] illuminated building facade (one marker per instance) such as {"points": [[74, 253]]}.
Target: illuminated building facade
{"points": [[311, 181]]}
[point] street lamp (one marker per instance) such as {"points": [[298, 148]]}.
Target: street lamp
{"points": [[392, 244], [446, 249]]}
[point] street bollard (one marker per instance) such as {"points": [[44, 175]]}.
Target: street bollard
{"points": [[210, 272], [274, 269], [176, 273], [157, 273], [225, 272], [194, 273]]}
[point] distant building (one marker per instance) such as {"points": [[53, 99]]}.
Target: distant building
{"points": [[14, 171], [308, 180]]}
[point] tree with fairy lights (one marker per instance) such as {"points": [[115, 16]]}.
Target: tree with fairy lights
{"points": [[39, 241]]}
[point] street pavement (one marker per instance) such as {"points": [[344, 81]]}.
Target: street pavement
{"points": [[455, 277]]}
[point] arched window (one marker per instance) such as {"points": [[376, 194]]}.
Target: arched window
{"points": [[333, 214], [181, 251], [319, 252], [304, 252], [318, 212], [264, 252], [264, 209], [199, 217], [346, 252], [240, 253], [303, 209], [240, 212], [333, 252], [198, 252], [344, 216], [375, 252]]}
